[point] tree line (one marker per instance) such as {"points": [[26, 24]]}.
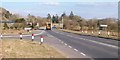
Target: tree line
{"points": [[71, 22]]}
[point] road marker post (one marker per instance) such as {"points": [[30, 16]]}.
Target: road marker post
{"points": [[41, 40], [33, 37], [1, 36], [92, 32], [82, 31], [108, 33], [85, 31], [99, 32], [21, 36]]}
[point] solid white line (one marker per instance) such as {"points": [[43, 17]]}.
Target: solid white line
{"points": [[68, 35], [61, 33], [100, 43], [103, 44], [83, 54]]}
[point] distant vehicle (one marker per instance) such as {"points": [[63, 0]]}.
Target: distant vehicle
{"points": [[48, 26]]}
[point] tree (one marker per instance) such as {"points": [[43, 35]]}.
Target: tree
{"points": [[48, 16], [31, 18], [63, 15], [20, 20], [82, 23], [53, 19], [14, 17], [71, 15], [93, 24], [56, 18], [5, 26]]}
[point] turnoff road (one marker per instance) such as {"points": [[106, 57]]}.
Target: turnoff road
{"points": [[94, 47]]}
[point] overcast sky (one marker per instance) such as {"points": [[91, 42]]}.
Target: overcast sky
{"points": [[85, 8]]}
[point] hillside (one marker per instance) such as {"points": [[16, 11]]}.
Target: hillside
{"points": [[4, 14]]}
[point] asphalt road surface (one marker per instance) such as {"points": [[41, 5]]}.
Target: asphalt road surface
{"points": [[77, 46], [94, 47]]}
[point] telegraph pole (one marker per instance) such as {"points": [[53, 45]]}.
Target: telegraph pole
{"points": [[62, 22]]}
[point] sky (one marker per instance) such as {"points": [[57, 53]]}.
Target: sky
{"points": [[83, 8]]}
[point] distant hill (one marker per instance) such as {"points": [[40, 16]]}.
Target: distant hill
{"points": [[5, 14]]}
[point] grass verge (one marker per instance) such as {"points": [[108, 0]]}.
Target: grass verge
{"points": [[13, 48], [95, 34]]}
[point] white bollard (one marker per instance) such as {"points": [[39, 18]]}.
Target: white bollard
{"points": [[41, 40], [92, 32], [21, 36], [1, 36], [99, 32], [108, 33], [85, 31], [32, 37]]}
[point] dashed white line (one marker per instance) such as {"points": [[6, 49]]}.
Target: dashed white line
{"points": [[69, 46], [83, 54], [65, 44], [59, 40], [75, 49], [62, 42]]}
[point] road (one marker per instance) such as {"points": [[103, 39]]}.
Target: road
{"points": [[79, 46], [94, 47]]}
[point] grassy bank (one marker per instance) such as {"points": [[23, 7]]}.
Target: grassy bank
{"points": [[27, 49], [95, 33]]}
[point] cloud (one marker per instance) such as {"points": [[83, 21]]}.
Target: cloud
{"points": [[51, 3], [97, 4]]}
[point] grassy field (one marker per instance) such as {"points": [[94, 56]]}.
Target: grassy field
{"points": [[27, 49], [13, 31], [103, 34]]}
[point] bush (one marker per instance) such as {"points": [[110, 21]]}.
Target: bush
{"points": [[5, 26]]}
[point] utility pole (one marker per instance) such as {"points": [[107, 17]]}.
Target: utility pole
{"points": [[51, 23], [62, 22]]}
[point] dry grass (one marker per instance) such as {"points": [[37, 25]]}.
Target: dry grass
{"points": [[113, 35], [27, 49]]}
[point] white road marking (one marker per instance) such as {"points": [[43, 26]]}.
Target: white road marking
{"points": [[98, 42], [75, 49], [83, 54], [69, 46], [67, 35], [59, 40], [103, 44], [62, 42], [65, 43]]}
